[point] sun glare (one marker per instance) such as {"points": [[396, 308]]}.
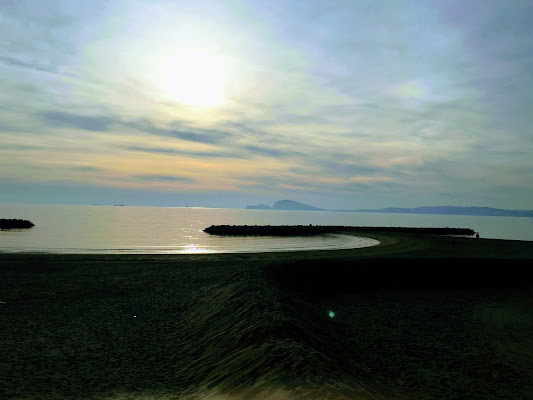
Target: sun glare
{"points": [[193, 249], [194, 78]]}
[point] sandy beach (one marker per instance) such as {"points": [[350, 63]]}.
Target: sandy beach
{"points": [[416, 317]]}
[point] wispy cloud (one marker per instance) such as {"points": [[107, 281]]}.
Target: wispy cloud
{"points": [[205, 154], [209, 136], [90, 123], [163, 178], [28, 64]]}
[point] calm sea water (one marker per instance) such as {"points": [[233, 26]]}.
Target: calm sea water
{"points": [[107, 229]]}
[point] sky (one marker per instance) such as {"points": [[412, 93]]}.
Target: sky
{"points": [[338, 104]]}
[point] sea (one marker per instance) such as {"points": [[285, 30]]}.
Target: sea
{"points": [[151, 230]]}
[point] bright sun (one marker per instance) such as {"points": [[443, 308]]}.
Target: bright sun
{"points": [[194, 78]]}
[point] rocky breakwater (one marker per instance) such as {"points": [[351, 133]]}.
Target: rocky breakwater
{"points": [[299, 230], [15, 224]]}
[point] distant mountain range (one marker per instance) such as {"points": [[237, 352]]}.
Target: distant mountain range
{"points": [[441, 210], [453, 210]]}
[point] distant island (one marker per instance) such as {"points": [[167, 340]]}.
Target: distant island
{"points": [[15, 224], [439, 210]]}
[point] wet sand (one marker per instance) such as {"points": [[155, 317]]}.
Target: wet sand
{"points": [[417, 317]]}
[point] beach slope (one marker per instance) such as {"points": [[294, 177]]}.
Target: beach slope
{"points": [[416, 317]]}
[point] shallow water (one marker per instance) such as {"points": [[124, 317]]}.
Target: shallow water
{"points": [[147, 230]]}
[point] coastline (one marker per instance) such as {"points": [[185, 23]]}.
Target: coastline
{"points": [[416, 317], [391, 245]]}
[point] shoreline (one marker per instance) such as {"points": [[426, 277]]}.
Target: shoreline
{"points": [[391, 244]]}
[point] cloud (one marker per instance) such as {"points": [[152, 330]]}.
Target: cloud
{"points": [[163, 150], [104, 124], [163, 178], [409, 90], [89, 123], [208, 136], [86, 168], [347, 167], [269, 152], [29, 64], [19, 147], [153, 150]]}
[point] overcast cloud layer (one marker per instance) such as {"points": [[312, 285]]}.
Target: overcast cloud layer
{"points": [[339, 104]]}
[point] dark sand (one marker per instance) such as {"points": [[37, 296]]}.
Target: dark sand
{"points": [[417, 317]]}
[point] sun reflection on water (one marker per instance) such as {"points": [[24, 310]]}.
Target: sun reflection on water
{"points": [[193, 249]]}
